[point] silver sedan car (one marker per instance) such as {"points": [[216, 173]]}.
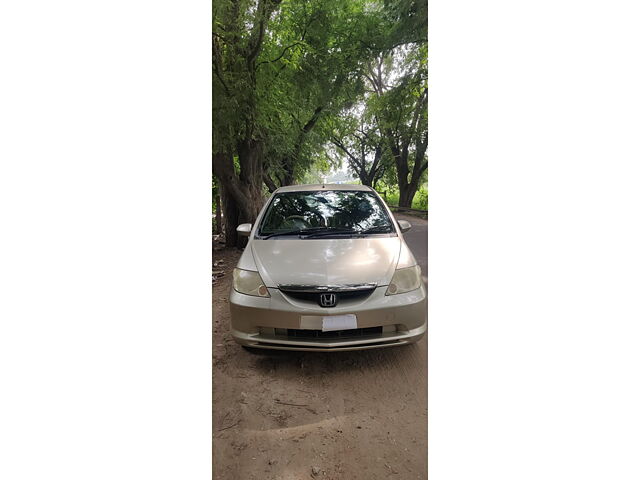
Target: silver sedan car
{"points": [[326, 268]]}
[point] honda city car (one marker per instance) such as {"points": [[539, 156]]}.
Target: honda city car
{"points": [[326, 268]]}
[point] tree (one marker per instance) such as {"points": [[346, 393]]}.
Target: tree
{"points": [[316, 71], [238, 36], [279, 68], [284, 70], [361, 143], [397, 76], [400, 108]]}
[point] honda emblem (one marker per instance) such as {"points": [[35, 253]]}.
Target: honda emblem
{"points": [[328, 299]]}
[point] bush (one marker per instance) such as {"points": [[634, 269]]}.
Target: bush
{"points": [[392, 196], [421, 200]]}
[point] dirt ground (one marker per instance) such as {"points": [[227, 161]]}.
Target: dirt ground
{"points": [[305, 415]]}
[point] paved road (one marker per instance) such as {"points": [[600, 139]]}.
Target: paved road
{"points": [[417, 239], [343, 415]]}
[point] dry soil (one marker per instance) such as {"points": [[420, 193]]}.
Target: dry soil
{"points": [[304, 415]]}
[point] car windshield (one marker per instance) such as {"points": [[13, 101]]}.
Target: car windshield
{"points": [[325, 212]]}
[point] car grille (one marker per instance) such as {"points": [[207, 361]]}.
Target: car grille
{"points": [[356, 332], [311, 296]]}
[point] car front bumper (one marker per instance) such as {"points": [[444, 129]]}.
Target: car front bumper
{"points": [[264, 322]]}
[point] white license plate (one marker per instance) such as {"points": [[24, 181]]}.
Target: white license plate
{"points": [[339, 322]]}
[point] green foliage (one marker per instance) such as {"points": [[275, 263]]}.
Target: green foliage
{"points": [[310, 73], [291, 75], [309, 59], [420, 201]]}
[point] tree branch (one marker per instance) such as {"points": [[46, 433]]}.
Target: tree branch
{"points": [[264, 10], [226, 89], [353, 160], [313, 120], [217, 66], [281, 55], [416, 114], [271, 185], [376, 160], [301, 42]]}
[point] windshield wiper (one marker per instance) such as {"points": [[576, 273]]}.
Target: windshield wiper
{"points": [[378, 229], [294, 232], [327, 231], [348, 231]]}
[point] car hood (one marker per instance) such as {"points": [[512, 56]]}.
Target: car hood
{"points": [[340, 261]]}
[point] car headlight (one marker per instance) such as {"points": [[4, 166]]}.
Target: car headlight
{"points": [[404, 280], [249, 283]]}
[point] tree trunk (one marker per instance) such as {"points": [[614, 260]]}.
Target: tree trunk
{"points": [[403, 200], [218, 216], [365, 177], [407, 192], [251, 177], [407, 188], [289, 178], [268, 181], [241, 194], [231, 214]]}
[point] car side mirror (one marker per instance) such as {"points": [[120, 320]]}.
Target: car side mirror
{"points": [[404, 225], [244, 229]]}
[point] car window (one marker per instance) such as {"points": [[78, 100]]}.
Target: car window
{"points": [[325, 209]]}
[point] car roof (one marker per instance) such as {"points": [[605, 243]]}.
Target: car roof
{"points": [[324, 186]]}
